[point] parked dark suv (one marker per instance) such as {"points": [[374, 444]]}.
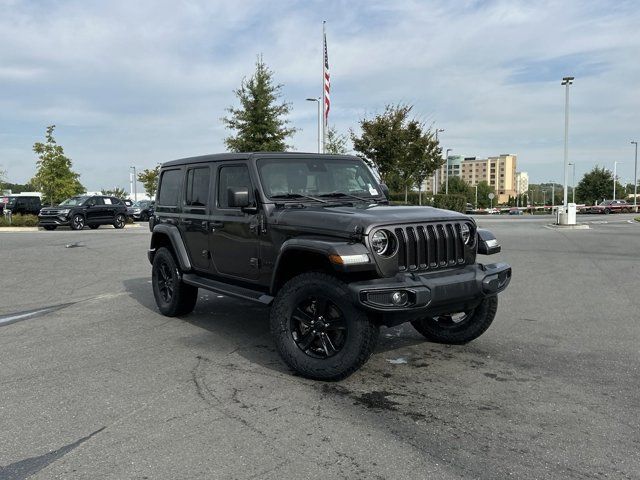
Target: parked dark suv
{"points": [[22, 204], [315, 237], [80, 211]]}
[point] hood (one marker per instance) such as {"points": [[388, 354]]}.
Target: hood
{"points": [[348, 219]]}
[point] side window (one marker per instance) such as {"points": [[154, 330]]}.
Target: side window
{"points": [[107, 201], [169, 188], [197, 191], [93, 201], [232, 176]]}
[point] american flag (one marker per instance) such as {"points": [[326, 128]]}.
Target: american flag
{"points": [[327, 83]]}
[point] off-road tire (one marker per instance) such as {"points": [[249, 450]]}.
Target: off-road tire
{"points": [[49, 227], [78, 222], [120, 221], [183, 297], [479, 319], [361, 333]]}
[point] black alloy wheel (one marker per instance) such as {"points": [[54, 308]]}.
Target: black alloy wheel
{"points": [[458, 328], [77, 222], [172, 296], [120, 221], [166, 282], [318, 327]]}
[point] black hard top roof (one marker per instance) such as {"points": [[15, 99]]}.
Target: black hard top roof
{"points": [[218, 157]]}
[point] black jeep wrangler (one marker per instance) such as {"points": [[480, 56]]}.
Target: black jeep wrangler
{"points": [[314, 236]]}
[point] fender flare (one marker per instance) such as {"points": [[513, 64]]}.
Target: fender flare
{"points": [[177, 243], [322, 247]]}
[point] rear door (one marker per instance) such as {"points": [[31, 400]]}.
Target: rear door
{"points": [[194, 223], [233, 239], [94, 210]]}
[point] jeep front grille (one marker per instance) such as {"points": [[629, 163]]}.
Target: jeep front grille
{"points": [[430, 246]]}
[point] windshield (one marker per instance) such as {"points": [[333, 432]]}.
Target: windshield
{"points": [[282, 178], [73, 201]]}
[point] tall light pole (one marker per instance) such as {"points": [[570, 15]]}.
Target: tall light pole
{"points": [[635, 179], [553, 194], [135, 184], [566, 81], [446, 188], [573, 182], [435, 174], [615, 175], [317, 100], [544, 199], [476, 197]]}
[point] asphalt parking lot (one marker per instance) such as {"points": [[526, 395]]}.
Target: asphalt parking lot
{"points": [[101, 385]]}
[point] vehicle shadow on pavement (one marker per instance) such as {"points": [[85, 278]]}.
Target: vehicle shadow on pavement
{"points": [[245, 326]]}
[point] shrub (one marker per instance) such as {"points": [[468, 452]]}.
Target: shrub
{"points": [[457, 203], [19, 221], [412, 198]]}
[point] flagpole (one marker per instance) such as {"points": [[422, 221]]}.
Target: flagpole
{"points": [[324, 126]]}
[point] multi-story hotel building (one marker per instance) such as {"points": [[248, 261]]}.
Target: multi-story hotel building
{"points": [[499, 172]]}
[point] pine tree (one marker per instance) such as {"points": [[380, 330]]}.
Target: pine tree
{"points": [[54, 177], [259, 122]]}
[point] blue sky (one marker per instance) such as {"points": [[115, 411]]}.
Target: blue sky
{"points": [[137, 83]]}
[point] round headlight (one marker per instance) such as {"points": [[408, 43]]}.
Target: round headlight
{"points": [[465, 231], [380, 242]]}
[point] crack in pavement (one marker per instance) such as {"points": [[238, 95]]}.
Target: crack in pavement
{"points": [[25, 315], [30, 466]]}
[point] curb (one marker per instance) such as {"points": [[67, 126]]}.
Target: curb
{"points": [[579, 226], [18, 229]]}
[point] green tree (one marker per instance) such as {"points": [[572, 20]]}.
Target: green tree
{"points": [[335, 142], [54, 176], [259, 122], [484, 189], [149, 179], [3, 179], [597, 185], [457, 186], [399, 148], [117, 192]]}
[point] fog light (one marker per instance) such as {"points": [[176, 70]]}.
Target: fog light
{"points": [[399, 298]]}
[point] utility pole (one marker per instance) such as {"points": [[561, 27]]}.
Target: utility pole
{"points": [[615, 175], [476, 196], [135, 185]]}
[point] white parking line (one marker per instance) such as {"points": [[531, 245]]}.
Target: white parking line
{"points": [[22, 316]]}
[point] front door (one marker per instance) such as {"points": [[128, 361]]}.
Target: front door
{"points": [[193, 223], [234, 234]]}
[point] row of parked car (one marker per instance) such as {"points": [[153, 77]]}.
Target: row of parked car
{"points": [[79, 211]]}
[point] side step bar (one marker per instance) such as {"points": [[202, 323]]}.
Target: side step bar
{"points": [[226, 289]]}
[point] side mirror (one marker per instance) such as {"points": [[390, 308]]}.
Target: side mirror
{"points": [[385, 190], [238, 197]]}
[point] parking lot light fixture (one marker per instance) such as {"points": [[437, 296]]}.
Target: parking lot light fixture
{"points": [[615, 177], [566, 81], [317, 100], [447, 172], [635, 178]]}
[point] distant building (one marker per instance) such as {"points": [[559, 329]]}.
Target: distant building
{"points": [[499, 172], [522, 182]]}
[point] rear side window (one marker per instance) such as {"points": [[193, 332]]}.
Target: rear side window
{"points": [[197, 191], [169, 188], [232, 176], [107, 201]]}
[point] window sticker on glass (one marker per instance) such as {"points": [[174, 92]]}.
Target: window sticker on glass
{"points": [[373, 191]]}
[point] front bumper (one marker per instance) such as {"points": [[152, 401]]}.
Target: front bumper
{"points": [[57, 220], [433, 293]]}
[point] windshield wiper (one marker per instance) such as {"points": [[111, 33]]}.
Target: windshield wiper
{"points": [[298, 195], [342, 194]]}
